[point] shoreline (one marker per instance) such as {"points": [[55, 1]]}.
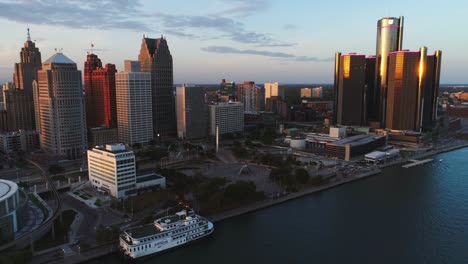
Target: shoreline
{"points": [[107, 249], [308, 191], [275, 201]]}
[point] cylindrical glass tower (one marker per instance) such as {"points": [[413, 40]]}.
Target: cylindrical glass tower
{"points": [[389, 38]]}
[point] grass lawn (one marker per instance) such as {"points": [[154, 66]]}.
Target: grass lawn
{"points": [[84, 196], [61, 232], [98, 202]]}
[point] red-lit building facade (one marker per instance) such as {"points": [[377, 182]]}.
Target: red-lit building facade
{"points": [[101, 109]]}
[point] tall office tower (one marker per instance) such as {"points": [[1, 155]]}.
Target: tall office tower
{"points": [[19, 105], [431, 91], [292, 95], [251, 96], [134, 106], [271, 89], [5, 87], [370, 110], [316, 92], [350, 87], [389, 39], [132, 66], [228, 117], [101, 109], [59, 106], [336, 82], [227, 91], [156, 59], [413, 80], [19, 102], [26, 69], [192, 112], [112, 169], [306, 92]]}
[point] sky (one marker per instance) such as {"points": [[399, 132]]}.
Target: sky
{"points": [[290, 41]]}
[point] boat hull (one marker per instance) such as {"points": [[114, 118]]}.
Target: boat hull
{"points": [[129, 259]]}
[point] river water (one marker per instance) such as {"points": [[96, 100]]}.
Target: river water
{"points": [[416, 215]]}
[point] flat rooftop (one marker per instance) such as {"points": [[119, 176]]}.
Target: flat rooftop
{"points": [[147, 177], [357, 140], [112, 148], [142, 231], [318, 137]]}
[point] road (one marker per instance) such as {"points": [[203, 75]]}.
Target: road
{"points": [[87, 229], [45, 225]]}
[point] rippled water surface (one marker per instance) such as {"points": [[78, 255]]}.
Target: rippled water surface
{"points": [[417, 215]]}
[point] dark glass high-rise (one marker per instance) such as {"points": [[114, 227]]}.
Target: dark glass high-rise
{"points": [[389, 39]]}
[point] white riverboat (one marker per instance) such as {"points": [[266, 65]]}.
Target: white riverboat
{"points": [[165, 233]]}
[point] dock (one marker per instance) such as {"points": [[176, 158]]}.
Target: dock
{"points": [[416, 163]]}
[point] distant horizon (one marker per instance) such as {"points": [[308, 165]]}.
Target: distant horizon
{"points": [[209, 40]]}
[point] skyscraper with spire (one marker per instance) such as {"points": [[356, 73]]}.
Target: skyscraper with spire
{"points": [[19, 103], [26, 69], [156, 59]]}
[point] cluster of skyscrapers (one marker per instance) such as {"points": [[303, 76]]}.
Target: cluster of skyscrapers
{"points": [[395, 89], [46, 101]]}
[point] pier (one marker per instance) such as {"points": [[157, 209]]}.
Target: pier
{"points": [[416, 163]]}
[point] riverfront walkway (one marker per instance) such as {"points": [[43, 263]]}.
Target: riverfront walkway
{"points": [[274, 201], [416, 163], [106, 249]]}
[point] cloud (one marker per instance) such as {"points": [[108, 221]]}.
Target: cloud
{"points": [[131, 15], [103, 14], [273, 54], [289, 27], [227, 27], [273, 45], [244, 8], [179, 33]]}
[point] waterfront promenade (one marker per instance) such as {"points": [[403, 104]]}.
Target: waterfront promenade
{"points": [[270, 202], [106, 249]]}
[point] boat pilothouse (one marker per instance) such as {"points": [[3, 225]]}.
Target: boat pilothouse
{"points": [[165, 233]]}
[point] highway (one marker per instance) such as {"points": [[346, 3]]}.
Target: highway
{"points": [[48, 223]]}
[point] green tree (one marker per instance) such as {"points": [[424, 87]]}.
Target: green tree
{"points": [[240, 192], [317, 180], [302, 176]]}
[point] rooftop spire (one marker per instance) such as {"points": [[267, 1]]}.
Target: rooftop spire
{"points": [[29, 36]]}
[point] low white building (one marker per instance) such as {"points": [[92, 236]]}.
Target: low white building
{"points": [[297, 143], [379, 156], [112, 169], [338, 132], [149, 180]]}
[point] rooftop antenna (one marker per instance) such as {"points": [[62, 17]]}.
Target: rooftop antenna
{"points": [[29, 36], [92, 47]]}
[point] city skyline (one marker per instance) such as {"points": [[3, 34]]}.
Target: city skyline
{"points": [[239, 40]]}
